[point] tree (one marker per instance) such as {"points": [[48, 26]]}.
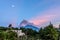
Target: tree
{"points": [[49, 33], [9, 35], [41, 33], [30, 33], [12, 35], [1, 35], [10, 25]]}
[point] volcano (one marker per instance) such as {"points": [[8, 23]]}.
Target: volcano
{"points": [[29, 25]]}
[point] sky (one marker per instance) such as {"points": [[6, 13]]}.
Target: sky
{"points": [[39, 12]]}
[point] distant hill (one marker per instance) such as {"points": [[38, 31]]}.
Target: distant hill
{"points": [[29, 25], [23, 23]]}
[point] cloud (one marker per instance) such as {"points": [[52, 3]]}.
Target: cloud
{"points": [[51, 14], [39, 20]]}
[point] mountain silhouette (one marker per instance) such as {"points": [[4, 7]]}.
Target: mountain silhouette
{"points": [[23, 23], [29, 25]]}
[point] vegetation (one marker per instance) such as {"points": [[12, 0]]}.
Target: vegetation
{"points": [[47, 33]]}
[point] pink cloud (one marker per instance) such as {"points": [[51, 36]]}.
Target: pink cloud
{"points": [[48, 15], [39, 20]]}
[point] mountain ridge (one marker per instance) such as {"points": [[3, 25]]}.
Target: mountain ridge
{"points": [[29, 25]]}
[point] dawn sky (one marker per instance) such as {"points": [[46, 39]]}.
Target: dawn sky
{"points": [[39, 12]]}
